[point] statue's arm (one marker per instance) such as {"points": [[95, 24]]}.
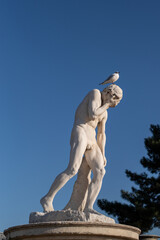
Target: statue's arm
{"points": [[101, 136], [95, 108]]}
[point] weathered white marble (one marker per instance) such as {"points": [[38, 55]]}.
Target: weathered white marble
{"points": [[68, 215], [87, 151]]}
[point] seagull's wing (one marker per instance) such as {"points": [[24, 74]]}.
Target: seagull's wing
{"points": [[109, 77], [106, 81]]}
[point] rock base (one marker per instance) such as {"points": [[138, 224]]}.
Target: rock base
{"points": [[72, 231], [69, 215]]}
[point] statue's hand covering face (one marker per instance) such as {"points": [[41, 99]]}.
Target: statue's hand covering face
{"points": [[112, 94]]}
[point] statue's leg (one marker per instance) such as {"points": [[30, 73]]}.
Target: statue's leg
{"points": [[76, 154], [95, 160], [80, 189]]}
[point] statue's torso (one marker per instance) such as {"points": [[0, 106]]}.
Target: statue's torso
{"points": [[86, 123], [82, 112]]}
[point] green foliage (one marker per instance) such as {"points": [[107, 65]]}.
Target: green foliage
{"points": [[143, 210]]}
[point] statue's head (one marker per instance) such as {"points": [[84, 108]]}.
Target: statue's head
{"points": [[112, 94]]}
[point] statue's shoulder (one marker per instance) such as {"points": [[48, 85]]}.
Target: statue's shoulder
{"points": [[95, 92]]}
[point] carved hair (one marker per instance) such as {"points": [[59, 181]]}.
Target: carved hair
{"points": [[114, 89]]}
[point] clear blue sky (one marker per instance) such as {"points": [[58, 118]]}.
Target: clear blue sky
{"points": [[52, 53]]}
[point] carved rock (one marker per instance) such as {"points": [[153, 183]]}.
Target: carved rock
{"points": [[68, 215]]}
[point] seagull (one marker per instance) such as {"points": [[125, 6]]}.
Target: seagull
{"points": [[111, 79]]}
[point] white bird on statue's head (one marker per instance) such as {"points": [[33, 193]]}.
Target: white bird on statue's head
{"points": [[111, 79]]}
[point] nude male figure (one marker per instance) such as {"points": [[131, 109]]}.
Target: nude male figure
{"points": [[91, 113]]}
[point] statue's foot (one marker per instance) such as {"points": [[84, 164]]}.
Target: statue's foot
{"points": [[46, 204], [91, 210]]}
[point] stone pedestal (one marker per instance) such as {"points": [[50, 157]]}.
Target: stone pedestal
{"points": [[72, 230], [2, 237]]}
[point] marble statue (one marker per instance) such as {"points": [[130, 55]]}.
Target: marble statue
{"points": [[87, 151]]}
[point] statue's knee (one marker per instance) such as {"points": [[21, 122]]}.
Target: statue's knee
{"points": [[73, 171], [100, 173]]}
